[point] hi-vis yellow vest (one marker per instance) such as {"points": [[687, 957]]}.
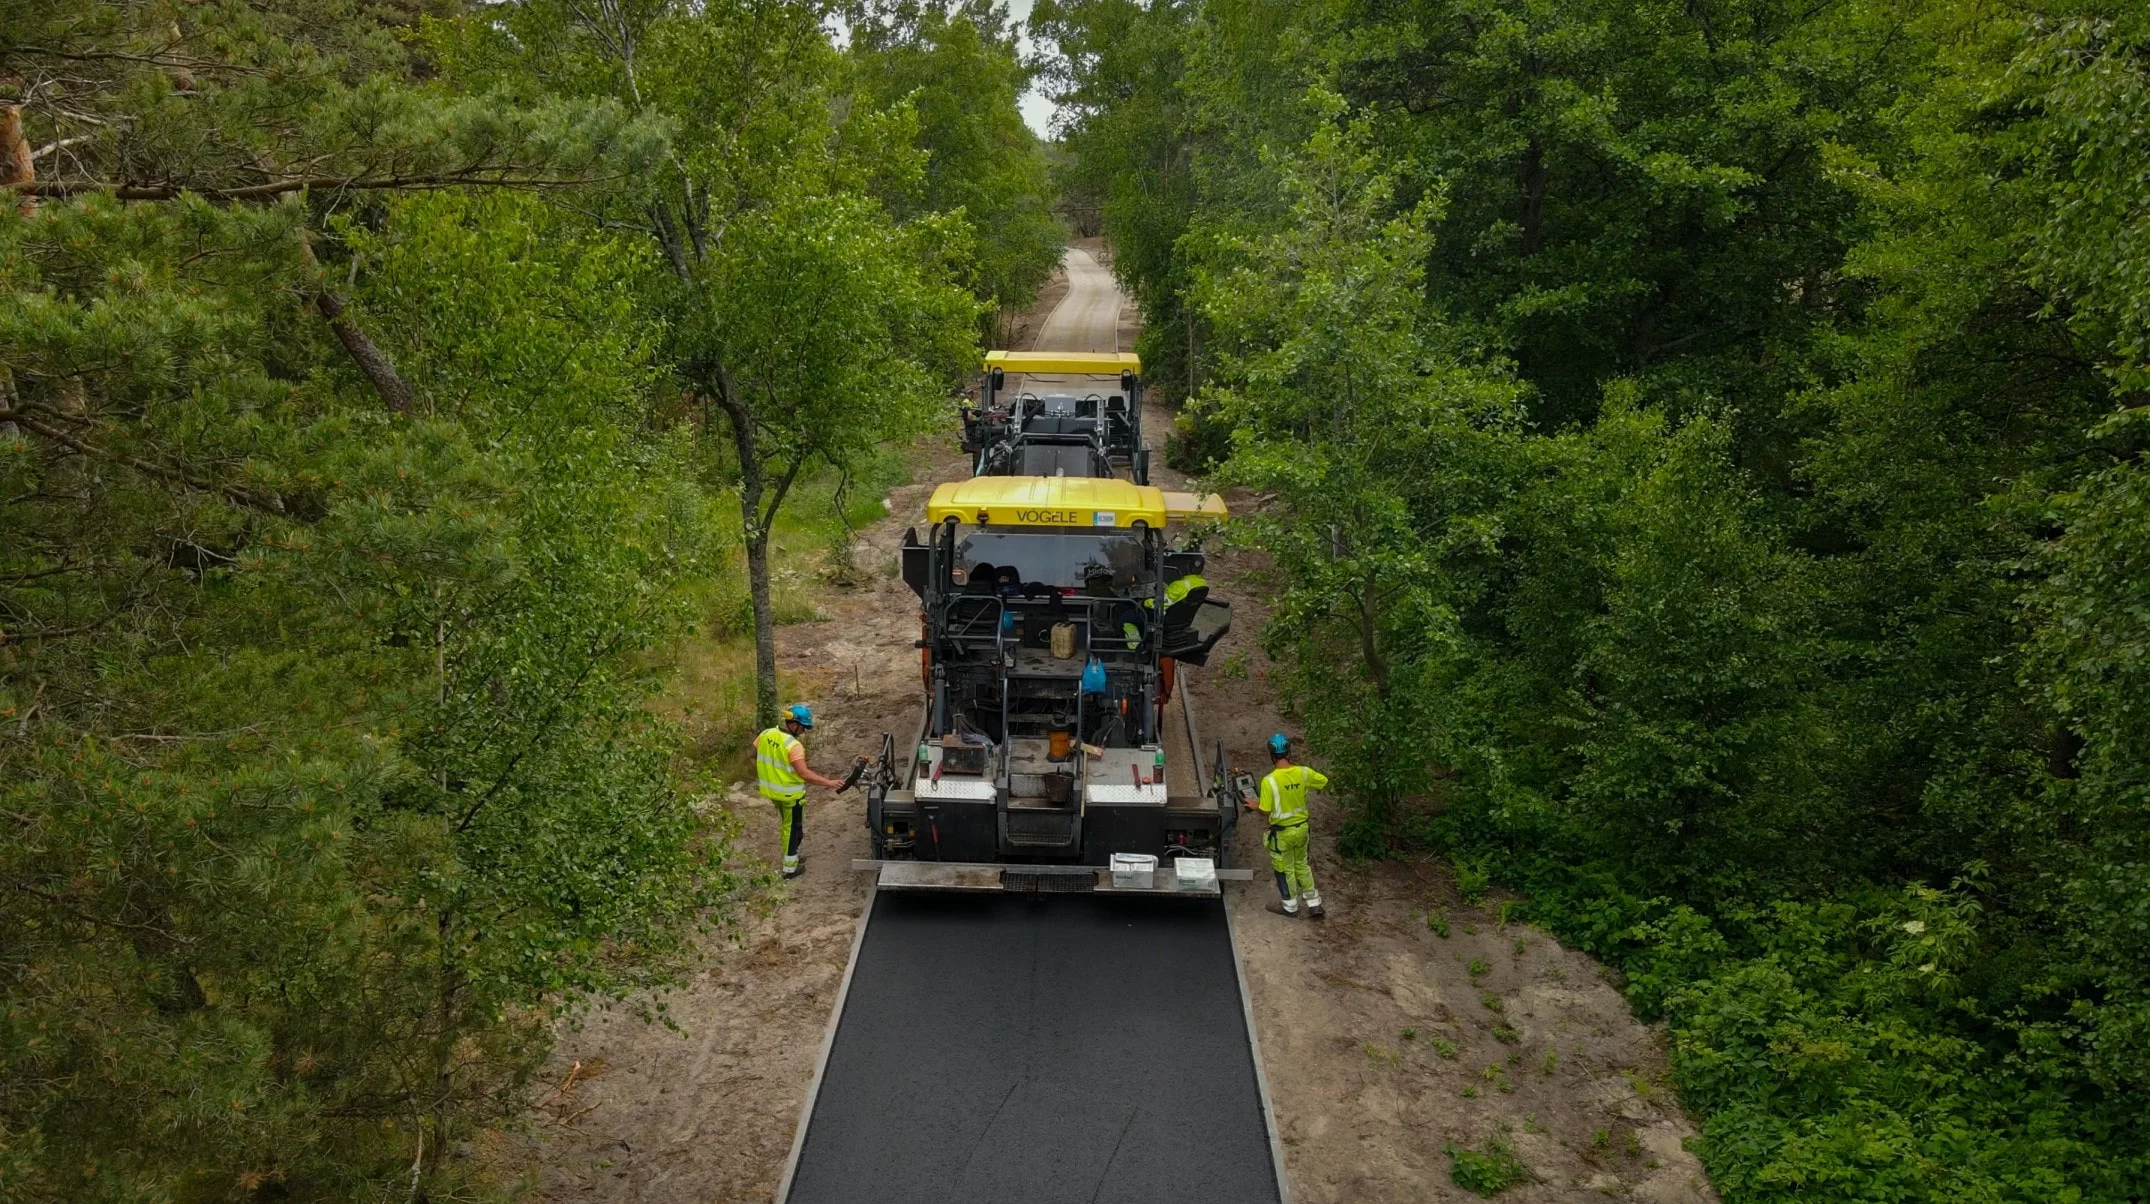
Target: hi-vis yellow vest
{"points": [[772, 766], [1177, 591], [1284, 794]]}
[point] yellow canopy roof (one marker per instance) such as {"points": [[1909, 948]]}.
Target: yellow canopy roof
{"points": [[1079, 363], [1047, 502], [1181, 507]]}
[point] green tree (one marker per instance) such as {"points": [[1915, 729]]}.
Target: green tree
{"points": [[809, 324], [1375, 444], [1115, 72], [337, 527], [959, 68], [1781, 638], [2091, 617]]}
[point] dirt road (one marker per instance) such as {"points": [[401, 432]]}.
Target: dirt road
{"points": [[1383, 1041]]}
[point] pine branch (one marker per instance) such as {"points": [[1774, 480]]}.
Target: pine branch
{"points": [[68, 907], [238, 494], [272, 189]]}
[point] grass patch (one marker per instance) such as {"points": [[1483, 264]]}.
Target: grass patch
{"points": [[1486, 1172]]}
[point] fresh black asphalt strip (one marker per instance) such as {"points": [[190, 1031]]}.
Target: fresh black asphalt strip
{"points": [[1070, 1048]]}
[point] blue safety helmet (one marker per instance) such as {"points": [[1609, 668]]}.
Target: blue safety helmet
{"points": [[801, 714], [1279, 745]]}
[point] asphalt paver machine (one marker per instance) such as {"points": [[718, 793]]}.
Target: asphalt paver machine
{"points": [[1051, 413], [1052, 731]]}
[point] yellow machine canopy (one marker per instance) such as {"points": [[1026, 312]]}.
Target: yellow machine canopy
{"points": [[1065, 502], [1078, 363]]}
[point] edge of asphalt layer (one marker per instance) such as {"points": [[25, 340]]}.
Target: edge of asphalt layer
{"points": [[1261, 1076], [828, 1042], [1044, 1048]]}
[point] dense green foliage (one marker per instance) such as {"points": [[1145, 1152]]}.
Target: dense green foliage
{"points": [[1706, 473], [960, 69], [363, 450], [820, 212]]}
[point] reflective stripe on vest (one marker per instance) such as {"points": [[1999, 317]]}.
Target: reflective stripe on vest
{"points": [[1285, 792], [772, 766]]}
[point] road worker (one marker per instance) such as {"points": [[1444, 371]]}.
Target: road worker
{"points": [[780, 766], [1177, 589], [1282, 798], [1099, 584]]}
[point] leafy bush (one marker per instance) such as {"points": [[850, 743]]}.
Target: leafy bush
{"points": [[1488, 1172]]}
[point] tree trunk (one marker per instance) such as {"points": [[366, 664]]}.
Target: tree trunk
{"points": [[17, 169], [434, 1145], [764, 622], [754, 526], [395, 392]]}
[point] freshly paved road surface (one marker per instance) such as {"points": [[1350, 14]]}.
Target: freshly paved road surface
{"points": [[1067, 1049]]}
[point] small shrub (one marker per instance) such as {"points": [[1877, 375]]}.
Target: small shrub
{"points": [[1444, 1048], [1471, 882], [1477, 967], [1505, 1035], [1493, 1003], [1487, 1172], [1362, 837], [1437, 920]]}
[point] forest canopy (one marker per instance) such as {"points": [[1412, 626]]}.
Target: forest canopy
{"points": [[1702, 449], [385, 388]]}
